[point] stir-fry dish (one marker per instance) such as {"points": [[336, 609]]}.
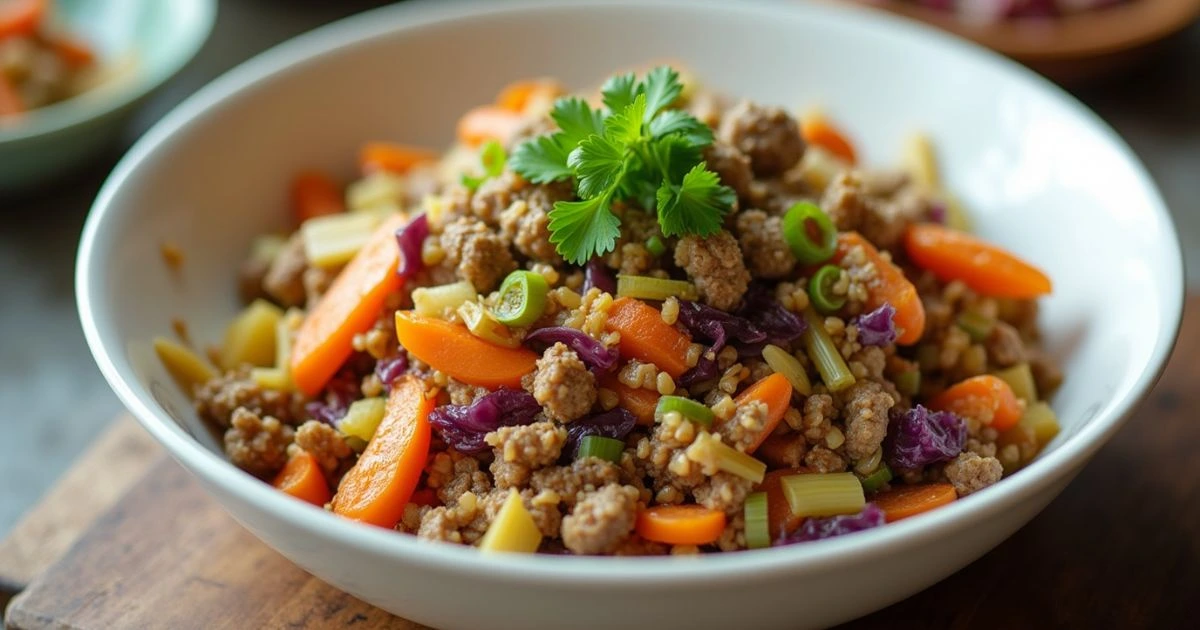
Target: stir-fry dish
{"points": [[39, 64], [647, 320]]}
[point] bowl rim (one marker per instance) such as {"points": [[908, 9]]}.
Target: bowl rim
{"points": [[106, 99], [624, 572]]}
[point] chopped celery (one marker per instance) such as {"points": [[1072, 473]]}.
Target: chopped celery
{"points": [[377, 189], [710, 452], [789, 366], [522, 298], [605, 448], [440, 300], [271, 378], [185, 366], [332, 240], [758, 527], [513, 529], [649, 288], [827, 494], [251, 336], [482, 324], [1020, 378], [977, 326], [363, 418], [908, 382], [824, 354], [1042, 419], [686, 407], [877, 479], [920, 162]]}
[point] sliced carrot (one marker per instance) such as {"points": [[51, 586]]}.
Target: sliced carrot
{"points": [[820, 132], [453, 350], [680, 524], [985, 398], [302, 478], [640, 402], [22, 17], [10, 99], [487, 122], [903, 501], [518, 96], [394, 158], [376, 489], [646, 337], [425, 497], [775, 391], [315, 194], [76, 53], [779, 512], [889, 286], [350, 306], [986, 268]]}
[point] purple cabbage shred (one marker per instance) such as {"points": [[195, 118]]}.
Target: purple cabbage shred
{"points": [[596, 274], [878, 327], [596, 355], [342, 389], [463, 427], [760, 320], [828, 527], [615, 423], [410, 239], [705, 370], [388, 369], [937, 212], [919, 437]]}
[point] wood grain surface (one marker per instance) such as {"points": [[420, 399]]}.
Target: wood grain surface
{"points": [[1119, 549]]}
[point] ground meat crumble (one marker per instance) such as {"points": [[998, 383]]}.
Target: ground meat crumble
{"points": [[563, 385]]}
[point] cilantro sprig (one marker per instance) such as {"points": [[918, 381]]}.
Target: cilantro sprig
{"points": [[634, 149]]}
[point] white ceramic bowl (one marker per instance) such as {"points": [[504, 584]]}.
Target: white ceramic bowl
{"points": [[1044, 176]]}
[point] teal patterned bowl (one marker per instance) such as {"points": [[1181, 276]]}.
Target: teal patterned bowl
{"points": [[141, 44]]}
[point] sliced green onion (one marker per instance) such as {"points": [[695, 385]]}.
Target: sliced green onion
{"points": [[710, 452], [649, 288], [692, 410], [656, 246], [908, 382], [492, 157], [522, 298], [977, 326], [820, 289], [875, 480], [809, 233], [758, 527], [1020, 378], [1042, 420], [824, 354], [827, 494], [484, 325], [789, 366], [437, 301], [605, 448]]}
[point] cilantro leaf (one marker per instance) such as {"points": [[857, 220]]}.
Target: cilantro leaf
{"points": [[619, 91], [541, 160], [674, 156], [581, 229], [598, 163], [576, 120], [683, 123], [662, 89], [696, 206], [625, 127]]}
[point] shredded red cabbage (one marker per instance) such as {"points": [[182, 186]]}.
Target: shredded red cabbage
{"points": [[410, 238], [463, 427], [878, 327], [937, 212], [388, 369], [780, 325], [705, 370], [596, 274], [819, 528], [919, 437], [341, 390], [760, 320], [590, 351], [615, 423]]}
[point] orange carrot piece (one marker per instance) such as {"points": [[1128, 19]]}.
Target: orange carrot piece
{"points": [[376, 489], [889, 286], [780, 518], [10, 99], [986, 398], [393, 158], [22, 17], [680, 524], [350, 306], [452, 349], [74, 52], [487, 122], [302, 478], [986, 268], [640, 402], [775, 391], [646, 337], [819, 132], [518, 96], [315, 194], [774, 450], [425, 496], [903, 501]]}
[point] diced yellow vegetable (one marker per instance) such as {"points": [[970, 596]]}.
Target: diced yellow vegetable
{"points": [[266, 247], [363, 418], [789, 366], [513, 529], [185, 366], [712, 454], [827, 494], [1042, 420], [920, 162], [1020, 378], [380, 188], [434, 207], [956, 214], [818, 167], [271, 378], [484, 325], [334, 239], [442, 300], [251, 337]]}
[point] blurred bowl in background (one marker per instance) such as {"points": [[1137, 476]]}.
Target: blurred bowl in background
{"points": [[139, 45]]}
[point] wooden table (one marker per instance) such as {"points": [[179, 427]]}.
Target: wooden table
{"points": [[127, 539]]}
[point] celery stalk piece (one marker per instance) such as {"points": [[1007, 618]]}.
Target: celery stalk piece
{"points": [[606, 448], [513, 529], [482, 324], [1042, 420], [758, 525], [332, 240], [789, 366], [828, 494], [1020, 378], [686, 407], [251, 336], [712, 454], [380, 188], [185, 366], [650, 288], [977, 326], [362, 418], [442, 300], [824, 354]]}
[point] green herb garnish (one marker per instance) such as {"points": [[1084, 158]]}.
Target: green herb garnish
{"points": [[634, 149], [492, 158]]}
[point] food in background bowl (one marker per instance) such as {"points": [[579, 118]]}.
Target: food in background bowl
{"points": [[651, 320], [40, 64]]}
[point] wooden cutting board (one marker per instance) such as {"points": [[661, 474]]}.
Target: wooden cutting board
{"points": [[128, 539]]}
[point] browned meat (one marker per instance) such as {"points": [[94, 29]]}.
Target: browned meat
{"points": [[563, 385], [217, 399], [971, 473], [761, 239], [715, 266], [477, 254], [866, 417], [767, 135], [284, 280], [257, 445], [601, 520]]}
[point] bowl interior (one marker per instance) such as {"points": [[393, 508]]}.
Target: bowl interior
{"points": [[1040, 174]]}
